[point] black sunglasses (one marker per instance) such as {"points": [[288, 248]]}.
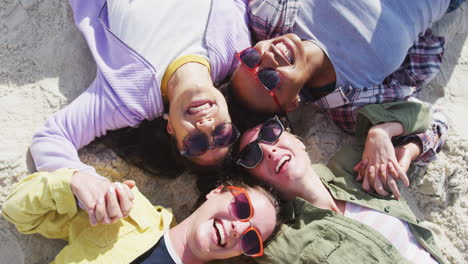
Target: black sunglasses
{"points": [[252, 154], [197, 143]]}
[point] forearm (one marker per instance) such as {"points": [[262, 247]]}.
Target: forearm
{"points": [[89, 116], [432, 140], [42, 203], [413, 117]]}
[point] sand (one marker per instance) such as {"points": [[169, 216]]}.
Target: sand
{"points": [[45, 64]]}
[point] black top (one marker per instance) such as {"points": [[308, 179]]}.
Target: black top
{"points": [[158, 254]]}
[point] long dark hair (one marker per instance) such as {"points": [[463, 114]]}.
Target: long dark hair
{"points": [[152, 149]]}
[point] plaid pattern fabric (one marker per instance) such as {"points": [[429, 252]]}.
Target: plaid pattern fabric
{"points": [[421, 65], [272, 18]]}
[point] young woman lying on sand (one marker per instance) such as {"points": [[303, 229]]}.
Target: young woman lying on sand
{"points": [[343, 55], [332, 219], [233, 220], [153, 57]]}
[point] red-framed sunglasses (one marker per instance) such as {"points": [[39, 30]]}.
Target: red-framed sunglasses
{"points": [[268, 78], [241, 208]]}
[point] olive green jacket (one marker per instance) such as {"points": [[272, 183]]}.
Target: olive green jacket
{"points": [[321, 236]]}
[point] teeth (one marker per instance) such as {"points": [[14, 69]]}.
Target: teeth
{"points": [[284, 49], [196, 109], [281, 162], [220, 228]]}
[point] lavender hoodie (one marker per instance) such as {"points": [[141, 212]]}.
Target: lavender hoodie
{"points": [[125, 91]]}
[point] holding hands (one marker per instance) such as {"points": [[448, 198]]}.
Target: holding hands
{"points": [[382, 164], [105, 202]]}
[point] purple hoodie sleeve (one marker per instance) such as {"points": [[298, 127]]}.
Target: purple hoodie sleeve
{"points": [[124, 93], [89, 116]]}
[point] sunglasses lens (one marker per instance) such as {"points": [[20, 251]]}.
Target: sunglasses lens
{"points": [[196, 144], [271, 131], [250, 57], [250, 243], [250, 155], [224, 135], [269, 78], [240, 207]]}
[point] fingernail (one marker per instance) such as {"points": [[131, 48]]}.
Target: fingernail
{"points": [[101, 200], [111, 190], [119, 185]]}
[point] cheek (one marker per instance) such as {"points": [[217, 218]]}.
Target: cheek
{"points": [[262, 172]]}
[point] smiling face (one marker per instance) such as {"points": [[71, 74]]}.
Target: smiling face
{"points": [[284, 161], [287, 56], [217, 233], [199, 110]]}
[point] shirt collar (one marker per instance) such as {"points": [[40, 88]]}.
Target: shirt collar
{"points": [[170, 249]]}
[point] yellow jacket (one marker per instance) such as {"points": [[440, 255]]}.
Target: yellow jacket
{"points": [[44, 203]]}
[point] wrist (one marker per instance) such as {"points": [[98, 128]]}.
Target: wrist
{"points": [[414, 149], [391, 129]]}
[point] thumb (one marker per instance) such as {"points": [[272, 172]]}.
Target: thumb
{"points": [[129, 183]]}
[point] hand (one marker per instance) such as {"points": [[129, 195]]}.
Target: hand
{"points": [[100, 198], [406, 154], [379, 160]]}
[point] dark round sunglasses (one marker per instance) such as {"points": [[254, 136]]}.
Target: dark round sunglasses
{"points": [[252, 154], [197, 143], [241, 208], [268, 78]]}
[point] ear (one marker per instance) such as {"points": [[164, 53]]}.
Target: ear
{"points": [[215, 192], [301, 144], [291, 106], [169, 126]]}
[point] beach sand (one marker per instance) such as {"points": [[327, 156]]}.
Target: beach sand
{"points": [[45, 64]]}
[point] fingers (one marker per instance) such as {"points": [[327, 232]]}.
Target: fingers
{"points": [[112, 205], [383, 173], [393, 186], [362, 169], [370, 175], [365, 183], [129, 183], [123, 195], [100, 211], [358, 166], [401, 174], [92, 217], [378, 186]]}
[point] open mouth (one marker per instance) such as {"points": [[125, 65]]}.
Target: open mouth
{"points": [[218, 226], [285, 51], [200, 107], [282, 164]]}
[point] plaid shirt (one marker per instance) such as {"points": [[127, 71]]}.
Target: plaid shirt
{"points": [[272, 18]]}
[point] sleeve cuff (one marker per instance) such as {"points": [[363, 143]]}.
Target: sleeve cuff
{"points": [[61, 191]]}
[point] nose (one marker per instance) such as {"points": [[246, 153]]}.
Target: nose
{"points": [[238, 228], [205, 125], [268, 60], [268, 150]]}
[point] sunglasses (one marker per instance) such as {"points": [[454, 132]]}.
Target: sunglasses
{"points": [[252, 154], [241, 208], [197, 143], [268, 78]]}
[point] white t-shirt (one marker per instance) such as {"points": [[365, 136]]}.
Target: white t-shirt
{"points": [[161, 31], [393, 229]]}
